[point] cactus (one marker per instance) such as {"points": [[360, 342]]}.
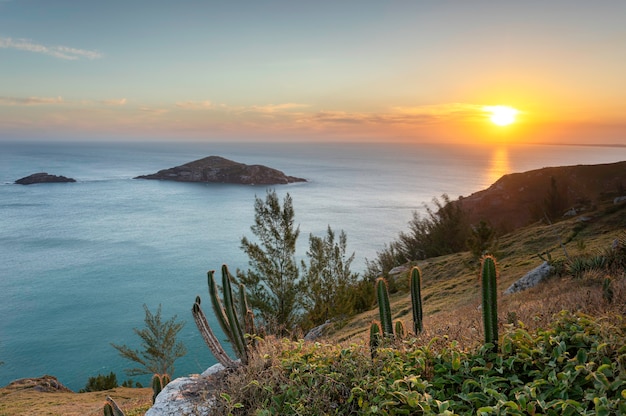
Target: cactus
{"points": [[375, 337], [230, 319], [384, 308], [159, 381], [416, 299], [400, 329], [490, 299], [111, 408]]}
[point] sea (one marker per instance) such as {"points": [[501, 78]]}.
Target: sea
{"points": [[79, 260]]}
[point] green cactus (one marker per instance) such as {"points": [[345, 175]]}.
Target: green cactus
{"points": [[232, 320], [111, 408], [490, 299], [384, 308], [375, 337], [400, 329], [159, 381], [416, 299]]}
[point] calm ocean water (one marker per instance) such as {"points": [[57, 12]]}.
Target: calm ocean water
{"points": [[78, 261]]}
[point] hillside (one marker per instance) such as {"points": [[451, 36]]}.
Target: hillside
{"points": [[519, 199]]}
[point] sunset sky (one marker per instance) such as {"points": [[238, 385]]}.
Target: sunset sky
{"points": [[315, 70]]}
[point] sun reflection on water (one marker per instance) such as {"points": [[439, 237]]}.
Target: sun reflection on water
{"points": [[499, 165]]}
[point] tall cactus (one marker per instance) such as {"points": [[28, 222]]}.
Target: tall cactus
{"points": [[231, 320], [489, 278], [384, 307], [111, 408], [375, 337], [159, 381], [416, 299]]}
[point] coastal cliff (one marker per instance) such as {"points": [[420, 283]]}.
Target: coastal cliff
{"points": [[216, 169]]}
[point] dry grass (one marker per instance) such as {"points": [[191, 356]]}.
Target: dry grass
{"points": [[30, 402]]}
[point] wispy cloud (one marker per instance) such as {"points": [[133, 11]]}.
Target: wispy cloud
{"points": [[195, 105], [121, 101], [61, 52], [275, 108], [30, 100]]}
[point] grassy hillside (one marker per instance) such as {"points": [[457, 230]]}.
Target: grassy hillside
{"points": [[548, 362], [445, 369]]}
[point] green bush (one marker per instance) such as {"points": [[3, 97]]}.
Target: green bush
{"points": [[576, 367], [100, 382]]}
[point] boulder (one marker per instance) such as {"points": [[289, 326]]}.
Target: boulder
{"points": [[193, 395], [216, 169], [531, 279], [43, 177]]}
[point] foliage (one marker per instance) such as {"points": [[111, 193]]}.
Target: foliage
{"points": [[273, 278], [575, 367], [159, 346], [481, 239], [554, 203], [236, 320], [444, 230], [329, 283], [100, 382]]}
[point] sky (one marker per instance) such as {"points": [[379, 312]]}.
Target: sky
{"points": [[349, 70]]}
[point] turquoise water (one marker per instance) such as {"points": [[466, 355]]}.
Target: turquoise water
{"points": [[78, 260]]}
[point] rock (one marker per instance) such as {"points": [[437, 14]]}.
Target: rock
{"points": [[619, 199], [316, 332], [193, 395], [43, 177], [46, 384], [531, 279], [216, 169]]}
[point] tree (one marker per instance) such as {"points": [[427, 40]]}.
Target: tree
{"points": [[481, 239], [328, 280], [160, 348], [273, 280]]}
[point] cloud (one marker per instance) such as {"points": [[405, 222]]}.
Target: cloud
{"points": [[121, 101], [30, 100], [195, 105], [61, 52], [275, 108]]}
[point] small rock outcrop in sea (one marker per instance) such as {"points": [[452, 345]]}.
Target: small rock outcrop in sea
{"points": [[42, 177], [216, 169]]}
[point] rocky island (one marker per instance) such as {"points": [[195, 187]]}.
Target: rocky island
{"points": [[43, 177], [216, 169]]}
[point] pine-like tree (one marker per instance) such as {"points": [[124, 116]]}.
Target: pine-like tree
{"points": [[273, 280], [159, 346], [329, 282]]}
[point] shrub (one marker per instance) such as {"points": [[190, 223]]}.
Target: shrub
{"points": [[100, 382]]}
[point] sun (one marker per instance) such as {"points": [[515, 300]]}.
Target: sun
{"points": [[501, 115]]}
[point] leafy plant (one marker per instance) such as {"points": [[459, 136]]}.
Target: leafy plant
{"points": [[159, 346], [100, 383]]}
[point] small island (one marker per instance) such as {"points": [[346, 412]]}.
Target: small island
{"points": [[43, 177], [216, 169]]}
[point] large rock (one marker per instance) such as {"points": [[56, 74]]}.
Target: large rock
{"points": [[217, 169], [46, 384], [531, 279], [42, 177], [193, 395]]}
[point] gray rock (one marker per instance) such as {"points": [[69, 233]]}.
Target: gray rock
{"points": [[619, 199], [43, 177], [215, 169], [531, 279], [181, 396], [316, 332]]}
